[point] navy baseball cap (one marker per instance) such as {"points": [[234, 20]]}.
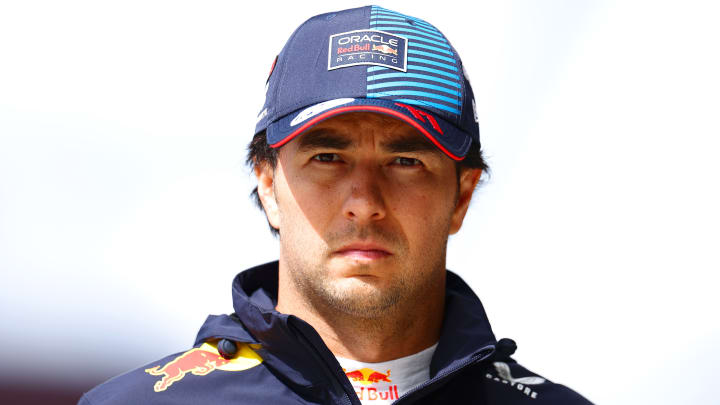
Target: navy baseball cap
{"points": [[371, 59]]}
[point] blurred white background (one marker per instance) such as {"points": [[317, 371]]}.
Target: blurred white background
{"points": [[124, 209]]}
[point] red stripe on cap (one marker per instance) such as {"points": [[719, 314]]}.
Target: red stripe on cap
{"points": [[365, 108]]}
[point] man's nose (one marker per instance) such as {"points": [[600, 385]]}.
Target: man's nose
{"points": [[365, 200]]}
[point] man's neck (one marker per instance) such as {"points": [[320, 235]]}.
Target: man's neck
{"points": [[406, 328]]}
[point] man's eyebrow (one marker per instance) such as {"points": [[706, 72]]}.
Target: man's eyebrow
{"points": [[323, 138], [409, 143]]}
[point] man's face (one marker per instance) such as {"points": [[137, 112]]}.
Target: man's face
{"points": [[364, 204]]}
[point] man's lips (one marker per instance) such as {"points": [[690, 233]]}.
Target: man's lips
{"points": [[365, 251]]}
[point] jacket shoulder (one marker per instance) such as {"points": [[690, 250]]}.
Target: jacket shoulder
{"points": [[181, 377], [130, 387], [507, 382]]}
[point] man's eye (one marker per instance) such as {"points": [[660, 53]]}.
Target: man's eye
{"points": [[326, 157], [406, 161]]}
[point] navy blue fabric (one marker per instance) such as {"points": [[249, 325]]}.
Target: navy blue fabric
{"points": [[305, 55], [298, 368], [222, 327]]}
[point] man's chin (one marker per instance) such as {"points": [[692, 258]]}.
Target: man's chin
{"points": [[363, 296], [359, 285]]}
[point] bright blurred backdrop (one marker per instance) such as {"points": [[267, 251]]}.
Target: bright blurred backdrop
{"points": [[124, 209]]}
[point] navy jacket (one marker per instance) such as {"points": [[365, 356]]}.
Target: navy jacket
{"points": [[281, 359]]}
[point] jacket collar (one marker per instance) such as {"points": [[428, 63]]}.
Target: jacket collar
{"points": [[465, 333]]}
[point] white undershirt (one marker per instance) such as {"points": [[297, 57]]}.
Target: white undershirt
{"points": [[383, 383]]}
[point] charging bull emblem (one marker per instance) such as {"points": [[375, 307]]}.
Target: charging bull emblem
{"points": [[368, 376], [385, 49], [202, 361]]}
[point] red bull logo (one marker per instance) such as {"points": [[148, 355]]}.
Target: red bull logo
{"points": [[368, 376], [367, 47], [202, 361], [385, 49], [374, 394], [353, 48]]}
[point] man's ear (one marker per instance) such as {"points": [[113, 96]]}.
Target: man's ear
{"points": [[469, 179], [266, 191]]}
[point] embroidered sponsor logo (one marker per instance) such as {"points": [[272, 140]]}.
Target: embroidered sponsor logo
{"points": [[521, 383], [385, 49], [367, 47], [378, 391], [318, 108], [202, 361], [419, 114]]}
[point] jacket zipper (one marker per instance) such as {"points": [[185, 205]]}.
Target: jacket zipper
{"points": [[484, 354], [348, 398]]}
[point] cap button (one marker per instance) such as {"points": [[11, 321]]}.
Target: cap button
{"points": [[227, 348], [505, 347]]}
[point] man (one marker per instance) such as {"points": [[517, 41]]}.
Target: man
{"points": [[367, 153]]}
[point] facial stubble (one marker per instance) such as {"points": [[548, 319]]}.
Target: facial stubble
{"points": [[364, 299]]}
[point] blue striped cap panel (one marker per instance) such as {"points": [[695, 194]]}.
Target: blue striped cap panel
{"points": [[433, 79]]}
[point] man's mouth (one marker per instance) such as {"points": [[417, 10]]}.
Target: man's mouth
{"points": [[363, 251]]}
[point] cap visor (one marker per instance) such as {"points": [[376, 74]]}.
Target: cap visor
{"points": [[448, 138]]}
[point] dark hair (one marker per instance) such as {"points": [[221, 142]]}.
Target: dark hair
{"points": [[260, 153]]}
